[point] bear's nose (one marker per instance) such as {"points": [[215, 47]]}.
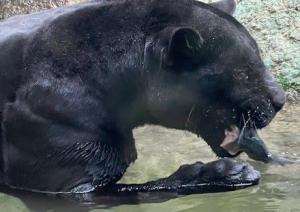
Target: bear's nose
{"points": [[278, 97], [276, 92]]}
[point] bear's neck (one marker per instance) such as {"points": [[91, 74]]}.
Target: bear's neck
{"points": [[125, 96]]}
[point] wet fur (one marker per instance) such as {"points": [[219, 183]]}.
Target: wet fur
{"points": [[76, 80]]}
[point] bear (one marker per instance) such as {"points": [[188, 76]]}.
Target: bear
{"points": [[75, 81]]}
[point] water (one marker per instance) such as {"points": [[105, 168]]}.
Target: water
{"points": [[162, 151]]}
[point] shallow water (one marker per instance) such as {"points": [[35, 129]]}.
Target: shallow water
{"points": [[162, 151]]}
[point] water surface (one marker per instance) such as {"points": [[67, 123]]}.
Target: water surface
{"points": [[162, 151]]}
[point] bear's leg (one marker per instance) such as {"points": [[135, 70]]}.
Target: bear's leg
{"points": [[218, 176], [58, 138]]}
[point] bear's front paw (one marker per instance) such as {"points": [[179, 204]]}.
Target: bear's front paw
{"points": [[221, 173]]}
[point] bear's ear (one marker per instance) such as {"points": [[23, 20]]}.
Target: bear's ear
{"points": [[227, 6], [184, 46]]}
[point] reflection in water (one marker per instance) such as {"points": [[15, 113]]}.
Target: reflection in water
{"points": [[162, 151]]}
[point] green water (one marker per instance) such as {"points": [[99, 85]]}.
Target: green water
{"points": [[162, 151]]}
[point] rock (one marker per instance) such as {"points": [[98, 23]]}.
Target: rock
{"points": [[276, 27], [11, 7]]}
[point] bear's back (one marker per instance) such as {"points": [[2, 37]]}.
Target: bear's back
{"points": [[15, 32]]}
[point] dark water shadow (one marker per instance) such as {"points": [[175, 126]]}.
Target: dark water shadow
{"points": [[86, 202], [38, 202]]}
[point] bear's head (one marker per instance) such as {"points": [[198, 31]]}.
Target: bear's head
{"points": [[206, 74]]}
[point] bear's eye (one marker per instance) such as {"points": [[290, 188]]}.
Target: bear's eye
{"points": [[240, 75]]}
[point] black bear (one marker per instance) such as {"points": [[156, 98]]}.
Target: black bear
{"points": [[75, 82]]}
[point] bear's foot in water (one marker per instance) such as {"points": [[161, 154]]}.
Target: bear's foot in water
{"points": [[217, 176]]}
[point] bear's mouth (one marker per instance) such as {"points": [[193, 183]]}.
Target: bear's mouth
{"points": [[245, 139], [231, 140]]}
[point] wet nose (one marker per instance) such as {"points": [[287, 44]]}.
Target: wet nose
{"points": [[277, 94], [278, 97]]}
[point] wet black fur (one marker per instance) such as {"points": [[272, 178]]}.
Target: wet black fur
{"points": [[75, 82]]}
